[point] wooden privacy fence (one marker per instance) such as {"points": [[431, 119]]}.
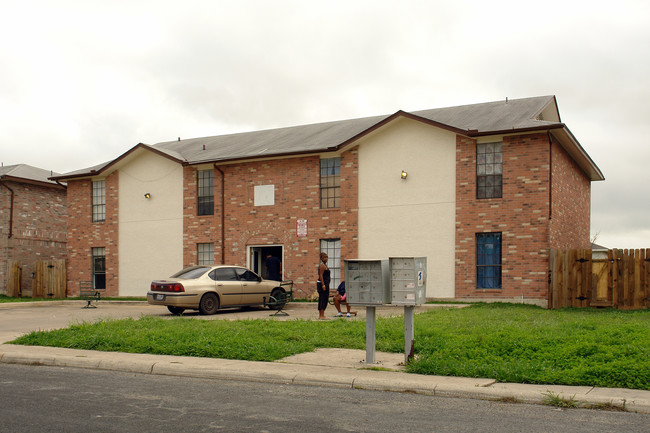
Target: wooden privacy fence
{"points": [[49, 279], [14, 278], [582, 278]]}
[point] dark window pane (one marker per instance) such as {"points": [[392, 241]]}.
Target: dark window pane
{"points": [[246, 275], [489, 169], [191, 273], [99, 201], [224, 274], [205, 192], [330, 182], [100, 281], [488, 260], [99, 268]]}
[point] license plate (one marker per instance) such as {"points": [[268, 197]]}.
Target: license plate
{"points": [[159, 297]]}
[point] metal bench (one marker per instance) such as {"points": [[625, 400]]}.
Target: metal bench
{"points": [[279, 299], [89, 294]]}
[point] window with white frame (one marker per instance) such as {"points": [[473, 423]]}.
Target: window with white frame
{"points": [[98, 201], [99, 268], [332, 247], [205, 254]]}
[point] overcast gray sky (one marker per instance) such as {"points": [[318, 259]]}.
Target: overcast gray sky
{"points": [[81, 82]]}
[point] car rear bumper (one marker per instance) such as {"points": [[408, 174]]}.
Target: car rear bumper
{"points": [[184, 300]]}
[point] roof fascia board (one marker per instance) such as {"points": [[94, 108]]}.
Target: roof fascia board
{"points": [[578, 153], [9, 178], [512, 131], [350, 142], [574, 149], [227, 161], [105, 170]]}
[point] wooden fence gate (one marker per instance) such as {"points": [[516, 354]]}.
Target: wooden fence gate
{"points": [[14, 279], [618, 279], [49, 279]]}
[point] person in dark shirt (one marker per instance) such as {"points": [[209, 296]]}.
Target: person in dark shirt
{"points": [[323, 286], [340, 297], [273, 268]]}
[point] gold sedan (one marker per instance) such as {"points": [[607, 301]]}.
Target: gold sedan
{"points": [[209, 288]]}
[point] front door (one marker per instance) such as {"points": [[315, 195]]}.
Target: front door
{"points": [[258, 255]]}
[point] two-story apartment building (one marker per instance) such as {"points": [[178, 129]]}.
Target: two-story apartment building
{"points": [[483, 191], [32, 225]]}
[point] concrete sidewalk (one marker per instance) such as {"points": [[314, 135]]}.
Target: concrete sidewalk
{"points": [[317, 368], [342, 368]]}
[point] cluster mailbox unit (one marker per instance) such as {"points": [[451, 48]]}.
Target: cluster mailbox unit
{"points": [[367, 282], [408, 276], [397, 281]]}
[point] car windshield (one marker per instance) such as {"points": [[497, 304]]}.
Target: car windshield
{"points": [[191, 273]]}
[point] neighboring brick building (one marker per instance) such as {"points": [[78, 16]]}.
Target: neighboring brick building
{"points": [[32, 223], [483, 191]]}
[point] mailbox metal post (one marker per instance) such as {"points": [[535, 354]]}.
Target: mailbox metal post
{"points": [[409, 333], [398, 280], [370, 335], [408, 277]]}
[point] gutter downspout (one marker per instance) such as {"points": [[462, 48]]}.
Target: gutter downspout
{"points": [[223, 214], [550, 175], [550, 216], [11, 209]]}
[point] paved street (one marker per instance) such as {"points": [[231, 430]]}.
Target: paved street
{"points": [[342, 369], [51, 399]]}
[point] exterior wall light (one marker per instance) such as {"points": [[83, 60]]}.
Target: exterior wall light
{"points": [[404, 174], [147, 195]]}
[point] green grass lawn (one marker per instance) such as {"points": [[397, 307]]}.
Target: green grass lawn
{"points": [[510, 343], [6, 299]]}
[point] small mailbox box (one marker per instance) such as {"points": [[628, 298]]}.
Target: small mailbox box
{"points": [[367, 282], [408, 278]]}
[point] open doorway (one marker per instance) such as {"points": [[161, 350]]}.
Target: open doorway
{"points": [[257, 256]]}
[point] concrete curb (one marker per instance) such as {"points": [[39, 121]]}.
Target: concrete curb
{"points": [[339, 377]]}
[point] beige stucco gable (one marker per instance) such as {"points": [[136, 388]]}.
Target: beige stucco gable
{"points": [[150, 229], [410, 217]]}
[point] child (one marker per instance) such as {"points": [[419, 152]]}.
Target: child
{"points": [[340, 298]]}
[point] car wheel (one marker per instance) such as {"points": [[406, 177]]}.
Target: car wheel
{"points": [[209, 304], [278, 299], [176, 311]]}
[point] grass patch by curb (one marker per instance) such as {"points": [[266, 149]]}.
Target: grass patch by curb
{"points": [[509, 343]]}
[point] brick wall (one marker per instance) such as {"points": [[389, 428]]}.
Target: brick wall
{"points": [[83, 234], [5, 206], [39, 228], [571, 203], [199, 229], [521, 215], [296, 184]]}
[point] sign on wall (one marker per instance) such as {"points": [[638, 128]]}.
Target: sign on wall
{"points": [[301, 228]]}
